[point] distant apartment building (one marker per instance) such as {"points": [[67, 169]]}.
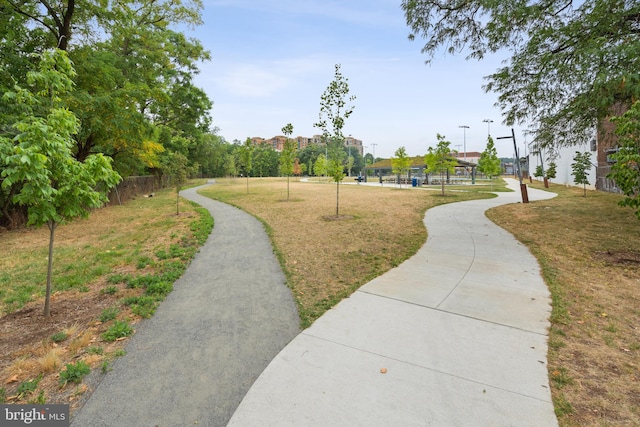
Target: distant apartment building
{"points": [[354, 143], [277, 142]]}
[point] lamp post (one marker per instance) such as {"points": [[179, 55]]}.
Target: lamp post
{"points": [[349, 151], [523, 187], [464, 141], [364, 160], [488, 122]]}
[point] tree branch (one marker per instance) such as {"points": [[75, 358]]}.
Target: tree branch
{"points": [[34, 17]]}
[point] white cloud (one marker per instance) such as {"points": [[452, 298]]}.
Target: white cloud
{"points": [[272, 60], [358, 12], [251, 81]]}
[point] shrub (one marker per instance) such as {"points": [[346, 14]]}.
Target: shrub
{"points": [[74, 373], [58, 337], [143, 306], [109, 314], [159, 288], [28, 386], [119, 329]]}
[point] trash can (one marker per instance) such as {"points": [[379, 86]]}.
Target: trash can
{"points": [[414, 182]]}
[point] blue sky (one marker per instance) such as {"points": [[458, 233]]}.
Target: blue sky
{"points": [[273, 59]]}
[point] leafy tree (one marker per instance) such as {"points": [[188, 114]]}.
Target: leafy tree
{"points": [[134, 72], [38, 164], [246, 158], [266, 161], [310, 153], [358, 161], [369, 160], [401, 162], [439, 160], [333, 113], [580, 166], [350, 162], [209, 152], [626, 169], [335, 166], [288, 154], [567, 66], [298, 167], [309, 167], [539, 172], [176, 167], [230, 165], [489, 163], [552, 170], [320, 166]]}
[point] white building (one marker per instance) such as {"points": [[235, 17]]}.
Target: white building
{"points": [[563, 158]]}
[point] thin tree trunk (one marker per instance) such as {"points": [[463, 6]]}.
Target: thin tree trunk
{"points": [[52, 229], [337, 198], [177, 200], [287, 188]]}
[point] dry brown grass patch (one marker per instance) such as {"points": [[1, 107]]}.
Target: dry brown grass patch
{"points": [[327, 257], [50, 362], [588, 251], [92, 359], [81, 341], [19, 369]]}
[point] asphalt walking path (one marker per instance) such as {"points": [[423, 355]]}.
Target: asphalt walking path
{"points": [[193, 362], [454, 336]]}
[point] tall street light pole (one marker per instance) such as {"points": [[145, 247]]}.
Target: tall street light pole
{"points": [[464, 141], [523, 187], [349, 159], [364, 159], [488, 122], [373, 144]]}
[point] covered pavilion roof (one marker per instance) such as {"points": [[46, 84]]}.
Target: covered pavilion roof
{"points": [[416, 162]]}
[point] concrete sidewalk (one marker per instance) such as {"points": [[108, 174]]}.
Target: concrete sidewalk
{"points": [[455, 336], [195, 359]]}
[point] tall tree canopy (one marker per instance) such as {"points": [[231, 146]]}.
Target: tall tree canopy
{"points": [[626, 169], [570, 61], [134, 81]]}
